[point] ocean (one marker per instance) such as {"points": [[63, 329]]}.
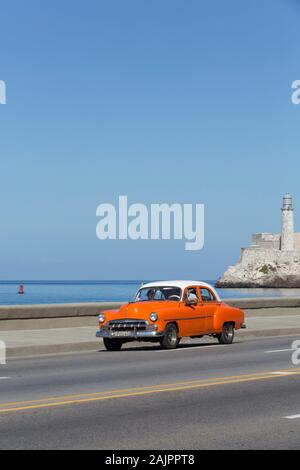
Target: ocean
{"points": [[52, 292]]}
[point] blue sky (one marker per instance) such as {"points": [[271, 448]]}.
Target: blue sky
{"points": [[163, 101]]}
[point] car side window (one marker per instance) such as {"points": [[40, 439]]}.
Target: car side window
{"points": [[191, 291], [207, 295]]}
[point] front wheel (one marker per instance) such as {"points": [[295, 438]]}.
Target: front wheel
{"points": [[170, 339], [227, 335], [112, 344]]}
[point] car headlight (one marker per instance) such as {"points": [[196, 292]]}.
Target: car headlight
{"points": [[101, 318], [153, 316]]}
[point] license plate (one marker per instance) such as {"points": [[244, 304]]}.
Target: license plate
{"points": [[121, 333]]}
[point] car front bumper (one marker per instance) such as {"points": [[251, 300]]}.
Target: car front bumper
{"points": [[149, 332]]}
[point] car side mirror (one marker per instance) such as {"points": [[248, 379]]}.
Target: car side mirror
{"points": [[191, 299]]}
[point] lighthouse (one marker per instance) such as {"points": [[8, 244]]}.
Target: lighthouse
{"points": [[287, 236]]}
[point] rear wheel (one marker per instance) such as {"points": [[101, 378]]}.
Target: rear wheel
{"points": [[170, 339], [227, 335], [112, 344]]}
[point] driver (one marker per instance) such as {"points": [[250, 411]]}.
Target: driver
{"points": [[151, 294], [192, 295]]}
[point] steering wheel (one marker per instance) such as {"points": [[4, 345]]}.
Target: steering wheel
{"points": [[174, 297]]}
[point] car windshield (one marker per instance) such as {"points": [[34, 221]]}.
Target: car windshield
{"points": [[146, 294]]}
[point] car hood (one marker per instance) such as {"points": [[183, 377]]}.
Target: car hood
{"points": [[138, 310]]}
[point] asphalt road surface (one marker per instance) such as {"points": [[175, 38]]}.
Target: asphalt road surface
{"points": [[200, 396]]}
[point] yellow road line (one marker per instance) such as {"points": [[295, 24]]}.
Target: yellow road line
{"points": [[179, 386], [148, 387]]}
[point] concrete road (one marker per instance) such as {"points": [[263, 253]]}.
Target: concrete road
{"points": [[202, 395]]}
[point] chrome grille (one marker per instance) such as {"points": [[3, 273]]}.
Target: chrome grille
{"points": [[128, 324]]}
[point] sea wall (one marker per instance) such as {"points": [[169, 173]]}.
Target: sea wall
{"points": [[23, 312], [25, 317]]}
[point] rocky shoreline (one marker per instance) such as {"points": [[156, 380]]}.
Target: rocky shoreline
{"points": [[276, 283], [261, 274]]}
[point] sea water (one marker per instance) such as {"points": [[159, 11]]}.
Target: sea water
{"points": [[50, 292]]}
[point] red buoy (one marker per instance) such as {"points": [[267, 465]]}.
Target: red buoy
{"points": [[21, 290]]}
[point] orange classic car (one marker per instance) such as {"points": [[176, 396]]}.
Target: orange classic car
{"points": [[167, 311]]}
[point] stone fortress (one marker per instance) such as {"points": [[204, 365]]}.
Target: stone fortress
{"points": [[272, 260]]}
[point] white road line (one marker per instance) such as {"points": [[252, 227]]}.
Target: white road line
{"points": [[292, 417], [282, 373], [279, 350], [4, 378]]}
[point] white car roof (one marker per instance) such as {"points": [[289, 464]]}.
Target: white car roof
{"points": [[182, 285]]}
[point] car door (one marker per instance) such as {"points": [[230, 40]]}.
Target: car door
{"points": [[210, 304], [192, 317]]}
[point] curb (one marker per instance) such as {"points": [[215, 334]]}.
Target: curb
{"points": [[40, 350], [253, 334]]}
